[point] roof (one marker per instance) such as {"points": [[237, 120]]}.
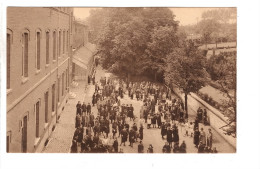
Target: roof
{"points": [[83, 55]]}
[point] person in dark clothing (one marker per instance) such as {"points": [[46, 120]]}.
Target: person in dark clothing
{"points": [[141, 133], [196, 124], [175, 135], [88, 108], [153, 120], [78, 106], [131, 137], [124, 135], [169, 136], [131, 112], [114, 128], [73, 148], [120, 128], [196, 138], [159, 121], [163, 130], [183, 147], [78, 121], [93, 99], [166, 148], [176, 148], [115, 145], [84, 108], [201, 148], [150, 149], [141, 147]]}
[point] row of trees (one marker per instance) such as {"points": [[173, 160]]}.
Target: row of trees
{"points": [[216, 25]]}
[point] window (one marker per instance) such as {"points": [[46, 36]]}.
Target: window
{"points": [[47, 48], [58, 90], [59, 44], [46, 100], [25, 43], [54, 45], [66, 83], [8, 141], [67, 46], [63, 48], [8, 60], [62, 85], [38, 50], [53, 98], [37, 118]]}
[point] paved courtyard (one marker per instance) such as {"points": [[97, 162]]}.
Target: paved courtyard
{"points": [[60, 140]]}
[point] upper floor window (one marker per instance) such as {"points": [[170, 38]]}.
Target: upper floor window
{"points": [[25, 53], [67, 46], [54, 45], [59, 51], [38, 50], [8, 58], [63, 47], [47, 47]]}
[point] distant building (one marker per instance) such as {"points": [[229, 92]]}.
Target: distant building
{"points": [[38, 57], [83, 52]]}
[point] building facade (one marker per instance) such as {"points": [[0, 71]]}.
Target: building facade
{"points": [[83, 52], [38, 62]]}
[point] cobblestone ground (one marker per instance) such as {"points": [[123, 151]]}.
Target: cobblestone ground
{"points": [[60, 140]]}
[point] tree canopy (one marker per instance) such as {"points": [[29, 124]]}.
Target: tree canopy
{"points": [[136, 40], [186, 69]]}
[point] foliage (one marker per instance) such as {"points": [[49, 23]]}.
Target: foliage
{"points": [[217, 25], [186, 69], [222, 69], [136, 40]]}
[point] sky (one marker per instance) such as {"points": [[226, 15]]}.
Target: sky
{"points": [[186, 16]]}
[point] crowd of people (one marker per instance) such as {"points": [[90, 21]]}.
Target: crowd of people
{"points": [[116, 123]]}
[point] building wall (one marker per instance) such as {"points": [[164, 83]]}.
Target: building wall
{"points": [[24, 93], [80, 35]]}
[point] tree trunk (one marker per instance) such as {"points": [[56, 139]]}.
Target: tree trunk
{"points": [[186, 104], [155, 76]]}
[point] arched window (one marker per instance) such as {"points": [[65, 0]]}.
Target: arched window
{"points": [[63, 47], [67, 46], [9, 41], [59, 50], [54, 45], [47, 38], [38, 49], [25, 52]]}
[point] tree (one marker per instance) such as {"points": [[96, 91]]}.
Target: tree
{"points": [[218, 23], [137, 40], [163, 41], [186, 70], [123, 40], [209, 29]]}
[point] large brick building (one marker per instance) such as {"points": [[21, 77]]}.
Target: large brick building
{"points": [[38, 57]]}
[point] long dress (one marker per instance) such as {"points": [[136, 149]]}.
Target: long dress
{"points": [[169, 136], [196, 138]]}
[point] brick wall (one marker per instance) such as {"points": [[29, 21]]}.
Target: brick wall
{"points": [[23, 95]]}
